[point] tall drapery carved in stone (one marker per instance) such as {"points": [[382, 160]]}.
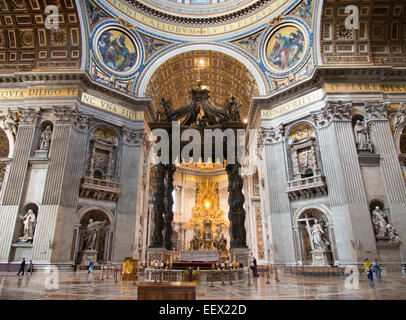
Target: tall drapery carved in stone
{"points": [[158, 200], [168, 215], [236, 215]]}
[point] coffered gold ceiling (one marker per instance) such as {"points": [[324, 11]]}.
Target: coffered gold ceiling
{"points": [[380, 39], [25, 42], [223, 75]]}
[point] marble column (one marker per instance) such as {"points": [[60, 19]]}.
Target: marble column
{"points": [[14, 185], [278, 207], [349, 208], [56, 218], [391, 171], [130, 180]]}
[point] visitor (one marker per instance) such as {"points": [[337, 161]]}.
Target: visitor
{"points": [[368, 270], [90, 269], [22, 267], [30, 267], [377, 269], [254, 267]]}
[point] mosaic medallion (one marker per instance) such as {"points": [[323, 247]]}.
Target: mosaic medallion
{"points": [[117, 51], [285, 48]]}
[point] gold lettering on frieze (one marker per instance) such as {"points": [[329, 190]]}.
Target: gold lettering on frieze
{"points": [[399, 87], [111, 107], [12, 94], [121, 6], [292, 105]]}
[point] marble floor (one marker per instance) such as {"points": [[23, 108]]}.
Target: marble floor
{"points": [[73, 286]]}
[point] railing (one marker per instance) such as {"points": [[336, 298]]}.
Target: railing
{"points": [[306, 188], [100, 189]]}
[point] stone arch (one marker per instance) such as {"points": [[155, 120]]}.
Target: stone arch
{"points": [[102, 251], [302, 237], [251, 66]]}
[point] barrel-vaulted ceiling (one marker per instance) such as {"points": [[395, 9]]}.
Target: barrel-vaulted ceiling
{"points": [[27, 44], [223, 75]]}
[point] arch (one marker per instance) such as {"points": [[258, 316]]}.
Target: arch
{"points": [[321, 207], [83, 211], [252, 68]]}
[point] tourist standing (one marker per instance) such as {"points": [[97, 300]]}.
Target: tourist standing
{"points": [[254, 267], [377, 269], [30, 267], [22, 267], [368, 270], [90, 269]]}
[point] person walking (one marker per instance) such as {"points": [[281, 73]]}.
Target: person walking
{"points": [[22, 267], [377, 269], [368, 270], [90, 269], [30, 267]]}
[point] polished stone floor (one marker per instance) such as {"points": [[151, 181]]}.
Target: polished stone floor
{"points": [[74, 286]]}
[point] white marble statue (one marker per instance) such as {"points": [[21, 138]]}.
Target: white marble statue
{"points": [[45, 140], [361, 130], [380, 223], [92, 229], [393, 235], [318, 238], [10, 123], [29, 221]]}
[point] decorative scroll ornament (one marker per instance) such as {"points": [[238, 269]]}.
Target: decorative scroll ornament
{"points": [[334, 111], [29, 116], [272, 135], [81, 122], [377, 110], [133, 137], [65, 115]]}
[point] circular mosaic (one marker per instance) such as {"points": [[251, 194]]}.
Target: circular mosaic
{"points": [[285, 48], [117, 51]]}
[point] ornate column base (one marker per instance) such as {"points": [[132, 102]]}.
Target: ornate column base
{"points": [[320, 258], [161, 254], [240, 255]]}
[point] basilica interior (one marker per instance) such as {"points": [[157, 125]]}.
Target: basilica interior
{"points": [[203, 135]]}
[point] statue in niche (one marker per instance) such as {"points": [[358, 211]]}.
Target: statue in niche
{"points": [[361, 130], [379, 220], [318, 236], [393, 235], [10, 123], [29, 221], [45, 140], [92, 229]]}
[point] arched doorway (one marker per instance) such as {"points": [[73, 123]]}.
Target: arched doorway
{"points": [[94, 234], [308, 240]]}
